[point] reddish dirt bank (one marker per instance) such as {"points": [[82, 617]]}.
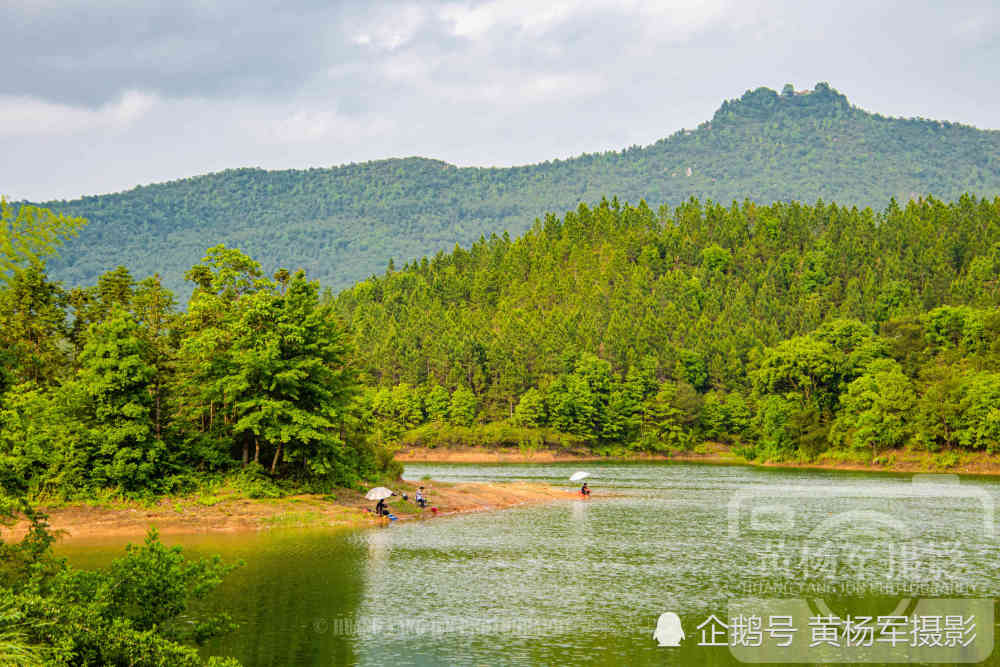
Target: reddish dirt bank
{"points": [[714, 453], [482, 455], [895, 460], [227, 512]]}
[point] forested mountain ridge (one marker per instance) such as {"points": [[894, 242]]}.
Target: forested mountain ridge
{"points": [[344, 223]]}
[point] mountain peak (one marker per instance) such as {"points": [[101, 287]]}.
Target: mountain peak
{"points": [[822, 100]]}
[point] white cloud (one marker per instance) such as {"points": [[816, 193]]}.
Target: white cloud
{"points": [[392, 27], [26, 116], [974, 29], [526, 88], [407, 68], [301, 126], [475, 20]]}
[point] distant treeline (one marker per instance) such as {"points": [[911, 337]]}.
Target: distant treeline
{"points": [[786, 329], [343, 224]]}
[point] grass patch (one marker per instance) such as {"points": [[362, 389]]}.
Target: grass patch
{"points": [[211, 500], [947, 459], [404, 506], [292, 519], [854, 456]]}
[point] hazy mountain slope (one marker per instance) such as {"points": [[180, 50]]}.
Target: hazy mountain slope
{"points": [[344, 223]]}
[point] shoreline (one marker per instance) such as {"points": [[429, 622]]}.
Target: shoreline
{"points": [[234, 513], [898, 461], [228, 511]]}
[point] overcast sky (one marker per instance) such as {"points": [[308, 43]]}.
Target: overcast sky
{"points": [[102, 96]]}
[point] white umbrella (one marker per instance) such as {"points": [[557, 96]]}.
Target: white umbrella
{"points": [[577, 476], [378, 493]]}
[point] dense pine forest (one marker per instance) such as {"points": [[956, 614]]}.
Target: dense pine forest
{"points": [[344, 224], [786, 330]]}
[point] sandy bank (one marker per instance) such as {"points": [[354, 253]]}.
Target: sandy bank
{"points": [[226, 513]]}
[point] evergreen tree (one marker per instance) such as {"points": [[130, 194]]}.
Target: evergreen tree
{"points": [[116, 377], [463, 408]]}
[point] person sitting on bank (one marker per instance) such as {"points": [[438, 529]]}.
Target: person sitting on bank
{"points": [[584, 491], [419, 497], [380, 509]]}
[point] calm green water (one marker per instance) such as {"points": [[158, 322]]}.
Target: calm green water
{"points": [[585, 581]]}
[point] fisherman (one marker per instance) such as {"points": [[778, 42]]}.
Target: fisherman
{"points": [[584, 491], [419, 497], [380, 509]]}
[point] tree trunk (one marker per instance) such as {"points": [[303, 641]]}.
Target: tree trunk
{"points": [[256, 450], [158, 392], [277, 455], [246, 452]]}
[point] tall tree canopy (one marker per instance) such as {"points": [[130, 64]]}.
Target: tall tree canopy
{"points": [[626, 327], [29, 234]]}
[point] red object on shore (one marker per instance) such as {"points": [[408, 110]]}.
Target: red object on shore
{"points": [[434, 511]]}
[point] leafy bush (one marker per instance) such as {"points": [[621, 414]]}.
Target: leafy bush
{"points": [[136, 612], [387, 467], [254, 482]]}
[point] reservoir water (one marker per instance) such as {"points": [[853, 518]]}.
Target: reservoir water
{"points": [[586, 581]]}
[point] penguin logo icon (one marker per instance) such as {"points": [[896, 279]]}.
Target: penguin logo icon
{"points": [[668, 630]]}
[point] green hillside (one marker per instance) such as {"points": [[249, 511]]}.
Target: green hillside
{"points": [[792, 329], [345, 223]]}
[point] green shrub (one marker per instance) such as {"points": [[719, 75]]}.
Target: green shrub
{"points": [[946, 459], [140, 610], [387, 466], [254, 482]]}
